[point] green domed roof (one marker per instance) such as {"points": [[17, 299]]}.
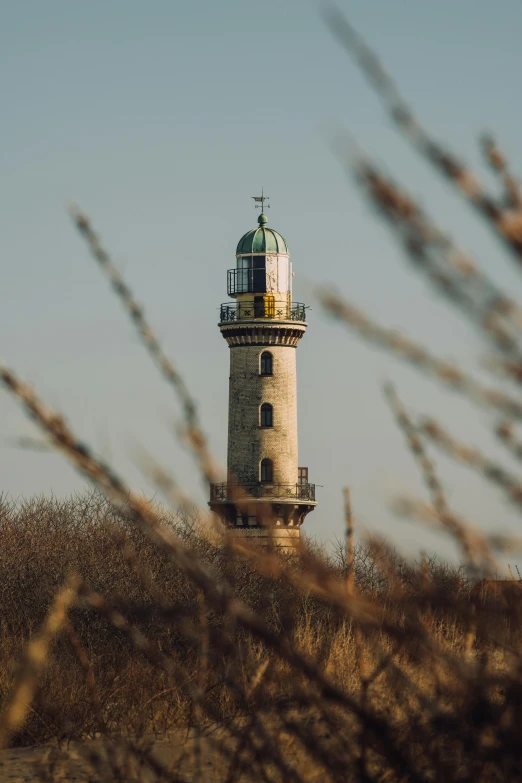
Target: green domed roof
{"points": [[262, 240]]}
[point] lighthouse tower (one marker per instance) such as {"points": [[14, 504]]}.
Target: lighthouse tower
{"points": [[267, 495]]}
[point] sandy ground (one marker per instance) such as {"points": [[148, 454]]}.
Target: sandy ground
{"points": [[180, 756], [177, 756]]}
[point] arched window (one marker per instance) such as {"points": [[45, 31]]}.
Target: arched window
{"points": [[267, 470], [266, 363], [267, 419]]}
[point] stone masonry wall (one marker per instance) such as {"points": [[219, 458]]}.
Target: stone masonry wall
{"points": [[248, 442]]}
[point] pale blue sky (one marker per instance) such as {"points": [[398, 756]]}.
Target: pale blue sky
{"points": [[161, 119]]}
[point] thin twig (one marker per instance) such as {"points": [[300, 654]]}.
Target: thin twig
{"points": [[350, 551], [396, 343], [499, 164], [505, 220], [173, 377], [505, 432], [429, 475], [491, 470], [35, 659], [449, 269]]}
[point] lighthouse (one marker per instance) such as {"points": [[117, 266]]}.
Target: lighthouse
{"points": [[267, 495]]}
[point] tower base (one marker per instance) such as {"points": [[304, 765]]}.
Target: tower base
{"points": [[281, 537], [271, 521]]}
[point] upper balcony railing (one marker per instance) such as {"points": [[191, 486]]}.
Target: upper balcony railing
{"points": [[268, 490], [262, 307]]}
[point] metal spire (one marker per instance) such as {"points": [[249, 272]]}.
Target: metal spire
{"points": [[262, 198]]}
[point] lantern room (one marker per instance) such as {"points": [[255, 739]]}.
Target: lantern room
{"points": [[263, 263]]}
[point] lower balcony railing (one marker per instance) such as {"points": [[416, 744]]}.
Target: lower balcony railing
{"points": [[262, 490], [264, 308]]}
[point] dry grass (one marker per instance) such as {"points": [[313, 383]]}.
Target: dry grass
{"points": [[388, 669]]}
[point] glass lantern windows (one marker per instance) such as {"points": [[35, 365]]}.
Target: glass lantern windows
{"points": [[260, 274], [250, 275]]}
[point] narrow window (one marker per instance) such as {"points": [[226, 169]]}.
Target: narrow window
{"points": [[266, 415], [266, 363], [267, 470], [302, 476]]}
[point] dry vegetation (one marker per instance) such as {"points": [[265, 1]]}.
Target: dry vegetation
{"points": [[301, 684], [121, 620]]}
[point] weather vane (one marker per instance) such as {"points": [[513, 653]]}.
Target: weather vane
{"points": [[262, 198]]}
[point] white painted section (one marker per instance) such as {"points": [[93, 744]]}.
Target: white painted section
{"points": [[278, 277]]}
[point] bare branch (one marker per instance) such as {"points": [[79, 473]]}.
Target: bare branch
{"points": [[419, 357], [506, 221], [173, 377], [492, 471]]}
